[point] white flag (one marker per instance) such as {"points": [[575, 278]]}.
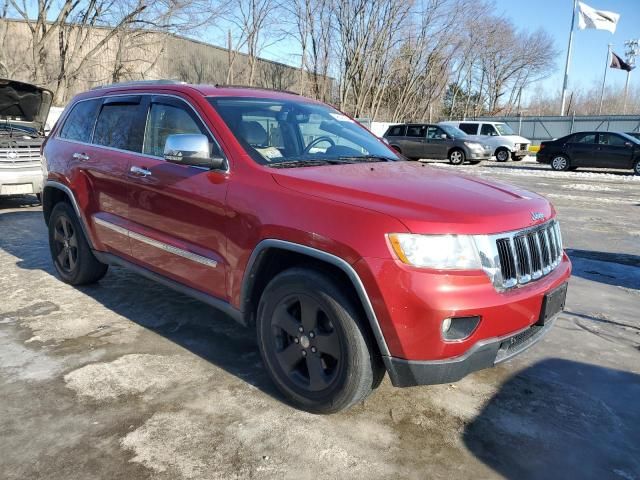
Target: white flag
{"points": [[598, 19]]}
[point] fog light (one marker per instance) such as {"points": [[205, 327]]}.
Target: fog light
{"points": [[459, 328], [446, 325]]}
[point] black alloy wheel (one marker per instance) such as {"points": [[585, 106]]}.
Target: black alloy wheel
{"points": [[65, 244], [315, 346], [71, 254], [308, 346]]}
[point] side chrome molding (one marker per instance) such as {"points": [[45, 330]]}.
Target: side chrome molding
{"points": [[326, 257], [194, 257]]}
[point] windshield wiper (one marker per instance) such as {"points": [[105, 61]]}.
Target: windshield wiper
{"points": [[367, 158], [298, 163]]}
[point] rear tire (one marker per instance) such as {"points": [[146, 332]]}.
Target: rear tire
{"points": [[560, 163], [636, 168], [456, 156], [502, 154], [313, 343], [72, 257]]}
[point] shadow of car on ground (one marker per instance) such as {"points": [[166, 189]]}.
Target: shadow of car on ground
{"points": [[561, 419]]}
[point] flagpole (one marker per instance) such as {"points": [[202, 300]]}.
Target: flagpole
{"points": [[626, 90], [604, 77], [566, 67]]}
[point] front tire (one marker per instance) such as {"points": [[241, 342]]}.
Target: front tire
{"points": [[72, 257], [456, 157], [502, 154], [560, 163], [636, 168], [313, 342]]}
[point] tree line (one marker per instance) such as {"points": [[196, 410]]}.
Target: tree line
{"points": [[393, 60]]}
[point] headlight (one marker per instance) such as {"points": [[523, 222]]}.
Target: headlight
{"points": [[473, 145], [454, 252]]}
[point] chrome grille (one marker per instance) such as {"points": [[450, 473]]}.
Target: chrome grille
{"points": [[529, 254], [19, 154]]}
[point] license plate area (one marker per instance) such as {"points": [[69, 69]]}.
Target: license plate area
{"points": [[552, 303], [21, 189]]}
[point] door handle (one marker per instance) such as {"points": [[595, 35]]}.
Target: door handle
{"points": [[83, 157], [140, 171]]}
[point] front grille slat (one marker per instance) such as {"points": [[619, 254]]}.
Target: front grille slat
{"points": [[528, 255]]}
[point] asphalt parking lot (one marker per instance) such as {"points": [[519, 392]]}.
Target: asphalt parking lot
{"points": [[127, 379]]}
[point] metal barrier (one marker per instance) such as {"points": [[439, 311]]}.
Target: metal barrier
{"points": [[538, 129]]}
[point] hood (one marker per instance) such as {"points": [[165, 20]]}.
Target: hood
{"points": [[24, 104], [426, 199]]}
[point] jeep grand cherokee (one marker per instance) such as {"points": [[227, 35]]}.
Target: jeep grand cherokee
{"points": [[297, 222]]}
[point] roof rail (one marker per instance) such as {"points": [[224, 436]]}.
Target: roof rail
{"points": [[256, 88], [140, 83]]}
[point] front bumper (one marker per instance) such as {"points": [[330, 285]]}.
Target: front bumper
{"points": [[484, 354], [22, 175]]}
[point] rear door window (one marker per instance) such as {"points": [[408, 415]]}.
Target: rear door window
{"points": [[469, 128], [416, 130], [120, 124], [79, 124], [584, 138]]}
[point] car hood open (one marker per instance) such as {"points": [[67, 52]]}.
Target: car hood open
{"points": [[426, 199], [24, 104]]}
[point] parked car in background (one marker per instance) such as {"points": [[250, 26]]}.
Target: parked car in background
{"points": [[438, 142], [499, 136], [23, 113], [635, 135], [346, 261], [592, 149]]}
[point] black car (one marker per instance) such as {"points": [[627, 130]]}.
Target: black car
{"points": [[592, 149]]}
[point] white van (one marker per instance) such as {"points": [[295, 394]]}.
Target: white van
{"points": [[504, 142]]}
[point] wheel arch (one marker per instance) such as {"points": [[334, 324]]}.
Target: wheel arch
{"points": [[55, 192], [273, 256]]}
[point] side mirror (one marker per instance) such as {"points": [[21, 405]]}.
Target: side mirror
{"points": [[628, 144], [191, 149], [444, 136]]}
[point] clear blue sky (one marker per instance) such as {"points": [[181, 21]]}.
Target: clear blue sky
{"points": [[589, 46]]}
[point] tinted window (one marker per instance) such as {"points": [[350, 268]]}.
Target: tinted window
{"points": [[610, 139], [165, 120], [584, 138], [396, 131], [487, 129], [469, 128], [416, 130], [119, 126], [434, 132], [79, 124]]}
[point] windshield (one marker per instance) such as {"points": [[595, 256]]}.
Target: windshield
{"points": [[296, 133], [504, 129], [453, 131]]}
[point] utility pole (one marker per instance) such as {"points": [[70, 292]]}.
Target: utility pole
{"points": [[631, 52]]}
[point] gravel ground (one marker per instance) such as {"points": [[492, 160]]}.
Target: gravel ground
{"points": [[127, 379]]}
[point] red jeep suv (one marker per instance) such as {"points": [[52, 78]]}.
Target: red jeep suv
{"points": [[296, 221]]}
